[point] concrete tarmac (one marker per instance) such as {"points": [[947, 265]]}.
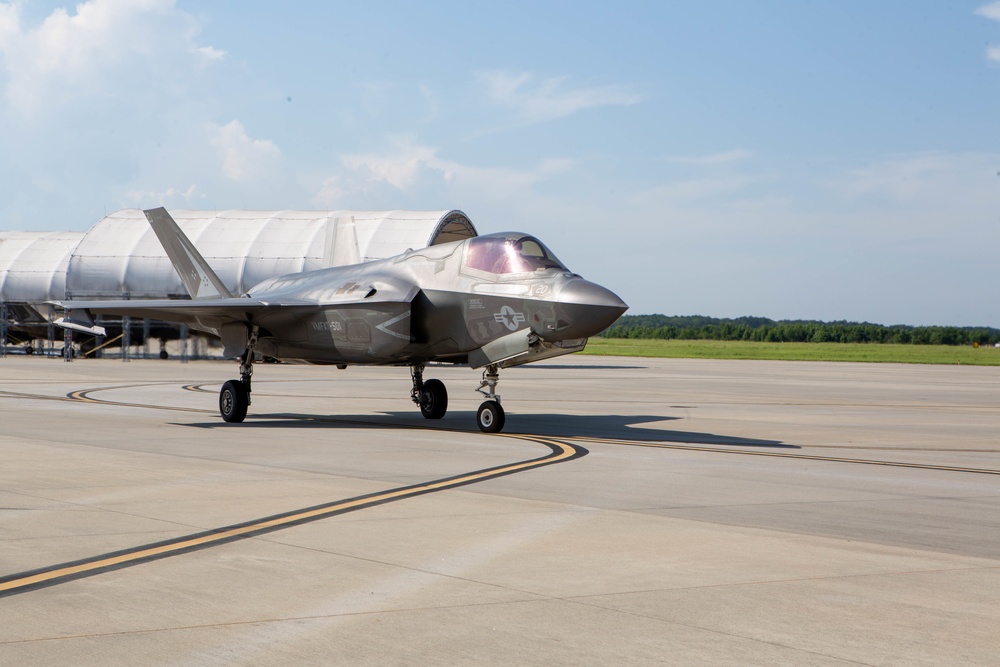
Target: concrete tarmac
{"points": [[635, 511]]}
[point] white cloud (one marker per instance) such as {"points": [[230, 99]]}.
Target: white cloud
{"points": [[168, 197], [935, 181], [540, 101], [712, 159], [431, 100], [905, 238], [990, 11], [399, 170], [721, 180], [411, 167], [10, 21], [211, 53], [927, 198], [81, 52], [243, 158], [698, 191]]}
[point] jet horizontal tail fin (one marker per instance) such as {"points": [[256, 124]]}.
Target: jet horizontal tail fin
{"points": [[80, 320], [198, 277]]}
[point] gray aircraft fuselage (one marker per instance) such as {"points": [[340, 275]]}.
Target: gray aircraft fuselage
{"points": [[429, 304]]}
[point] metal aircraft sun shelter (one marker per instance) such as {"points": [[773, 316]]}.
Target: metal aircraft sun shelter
{"points": [[120, 257]]}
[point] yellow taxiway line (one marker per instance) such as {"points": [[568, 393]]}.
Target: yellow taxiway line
{"points": [[55, 574], [784, 455]]}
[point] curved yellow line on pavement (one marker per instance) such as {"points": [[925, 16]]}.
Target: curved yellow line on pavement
{"points": [[783, 455], [55, 574]]}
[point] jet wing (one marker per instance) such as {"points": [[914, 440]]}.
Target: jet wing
{"points": [[204, 314], [179, 310]]}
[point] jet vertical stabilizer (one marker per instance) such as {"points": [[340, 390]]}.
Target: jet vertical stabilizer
{"points": [[342, 243], [198, 277]]}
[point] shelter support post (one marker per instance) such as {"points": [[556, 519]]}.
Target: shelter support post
{"points": [[51, 338], [126, 336], [3, 329]]}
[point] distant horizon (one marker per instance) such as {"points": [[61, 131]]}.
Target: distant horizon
{"points": [[822, 321]]}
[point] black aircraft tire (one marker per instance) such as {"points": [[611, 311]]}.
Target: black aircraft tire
{"points": [[233, 401], [490, 417], [434, 400], [164, 355], [28, 349]]}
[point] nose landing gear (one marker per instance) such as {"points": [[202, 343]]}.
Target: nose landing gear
{"points": [[490, 418]]}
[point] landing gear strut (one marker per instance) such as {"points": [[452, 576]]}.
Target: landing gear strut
{"points": [[490, 416], [430, 395], [234, 399]]}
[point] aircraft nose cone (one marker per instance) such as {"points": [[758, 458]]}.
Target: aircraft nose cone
{"points": [[586, 309], [584, 292]]}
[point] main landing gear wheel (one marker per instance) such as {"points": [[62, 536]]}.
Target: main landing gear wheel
{"points": [[233, 401], [490, 417], [433, 399], [431, 396]]}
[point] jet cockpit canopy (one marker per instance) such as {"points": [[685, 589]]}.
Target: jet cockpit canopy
{"points": [[510, 253]]}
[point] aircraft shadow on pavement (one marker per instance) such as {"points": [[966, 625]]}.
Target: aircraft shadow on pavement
{"points": [[624, 427], [621, 427]]}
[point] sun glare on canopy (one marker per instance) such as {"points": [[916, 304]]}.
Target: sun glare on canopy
{"points": [[496, 254]]}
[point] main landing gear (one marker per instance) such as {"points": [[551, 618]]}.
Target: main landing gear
{"points": [[432, 397], [234, 399]]}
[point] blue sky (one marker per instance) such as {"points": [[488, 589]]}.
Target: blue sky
{"points": [[820, 160]]}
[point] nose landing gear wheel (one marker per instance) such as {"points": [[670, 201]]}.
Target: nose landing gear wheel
{"points": [[490, 417], [233, 401], [433, 399]]}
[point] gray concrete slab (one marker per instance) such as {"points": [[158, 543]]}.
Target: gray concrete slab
{"points": [[726, 513]]}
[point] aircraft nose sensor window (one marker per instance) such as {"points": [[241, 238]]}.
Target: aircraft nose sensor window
{"points": [[505, 255]]}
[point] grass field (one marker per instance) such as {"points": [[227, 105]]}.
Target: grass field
{"points": [[717, 349]]}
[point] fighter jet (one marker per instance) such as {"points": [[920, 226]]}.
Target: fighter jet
{"points": [[491, 302]]}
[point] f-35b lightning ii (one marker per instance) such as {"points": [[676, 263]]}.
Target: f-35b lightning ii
{"points": [[491, 302]]}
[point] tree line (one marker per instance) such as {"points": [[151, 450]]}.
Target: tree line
{"points": [[697, 327]]}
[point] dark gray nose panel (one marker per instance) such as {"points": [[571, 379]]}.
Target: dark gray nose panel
{"points": [[585, 309], [584, 292]]}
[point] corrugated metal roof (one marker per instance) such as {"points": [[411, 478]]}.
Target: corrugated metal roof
{"points": [[120, 257], [33, 265]]}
